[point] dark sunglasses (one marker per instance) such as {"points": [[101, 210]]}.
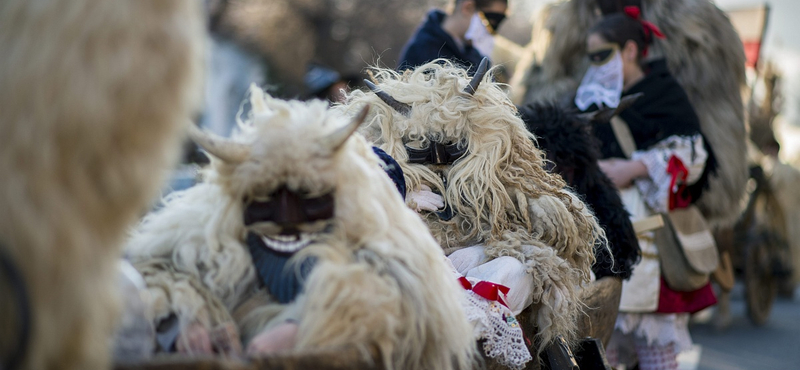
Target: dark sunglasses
{"points": [[602, 54], [492, 20]]}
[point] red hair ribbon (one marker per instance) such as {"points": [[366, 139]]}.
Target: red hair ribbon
{"points": [[650, 29], [485, 289]]}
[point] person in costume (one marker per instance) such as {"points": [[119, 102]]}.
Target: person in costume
{"points": [[464, 36], [295, 240], [501, 217], [668, 168], [704, 54]]}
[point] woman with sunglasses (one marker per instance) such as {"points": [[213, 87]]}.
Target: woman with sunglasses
{"points": [[656, 154], [465, 36]]}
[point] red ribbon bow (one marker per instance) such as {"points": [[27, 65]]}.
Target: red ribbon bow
{"points": [[485, 289], [490, 291], [678, 198], [649, 28]]}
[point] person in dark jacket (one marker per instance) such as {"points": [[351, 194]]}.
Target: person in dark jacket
{"points": [[465, 36]]}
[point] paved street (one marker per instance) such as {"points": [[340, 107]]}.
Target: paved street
{"points": [[743, 346]]}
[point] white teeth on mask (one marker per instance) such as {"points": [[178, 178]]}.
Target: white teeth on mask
{"points": [[285, 238], [288, 243]]}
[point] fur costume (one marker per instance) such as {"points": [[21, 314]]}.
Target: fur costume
{"points": [[379, 279], [94, 96], [783, 180], [704, 54], [569, 144], [499, 192]]}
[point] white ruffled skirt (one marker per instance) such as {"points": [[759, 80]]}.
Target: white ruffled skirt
{"points": [[657, 329]]}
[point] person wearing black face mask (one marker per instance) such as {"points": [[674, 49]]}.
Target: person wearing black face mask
{"points": [[465, 36]]}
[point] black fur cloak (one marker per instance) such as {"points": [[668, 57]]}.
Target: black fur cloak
{"points": [[574, 151]]}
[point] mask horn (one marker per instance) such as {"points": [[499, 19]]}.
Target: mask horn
{"points": [[478, 77], [226, 150], [340, 136], [401, 108]]}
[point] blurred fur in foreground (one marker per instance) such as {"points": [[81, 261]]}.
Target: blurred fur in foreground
{"points": [[93, 96]]}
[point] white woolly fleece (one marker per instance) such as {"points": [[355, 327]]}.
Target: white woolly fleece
{"points": [[380, 280], [501, 194]]}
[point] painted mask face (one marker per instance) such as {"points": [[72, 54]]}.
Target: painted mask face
{"points": [[285, 206], [602, 84], [439, 145], [280, 224], [288, 220], [439, 158], [436, 153]]}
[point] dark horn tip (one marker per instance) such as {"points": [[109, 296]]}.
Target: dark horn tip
{"points": [[400, 107], [478, 77]]}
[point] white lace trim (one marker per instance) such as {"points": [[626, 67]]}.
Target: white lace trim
{"points": [[660, 329], [497, 325]]}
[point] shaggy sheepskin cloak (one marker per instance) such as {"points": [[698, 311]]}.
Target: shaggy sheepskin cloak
{"points": [[499, 192], [379, 280]]}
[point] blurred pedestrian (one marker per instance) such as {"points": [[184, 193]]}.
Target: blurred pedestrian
{"points": [[464, 36], [326, 84]]}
